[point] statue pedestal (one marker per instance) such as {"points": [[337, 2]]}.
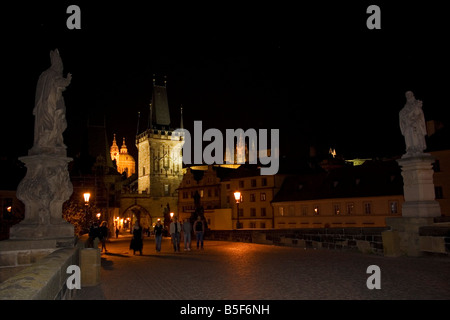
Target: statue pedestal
{"points": [[418, 186], [44, 189], [408, 240], [420, 206]]}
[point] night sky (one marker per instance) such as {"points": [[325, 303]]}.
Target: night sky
{"points": [[314, 71]]}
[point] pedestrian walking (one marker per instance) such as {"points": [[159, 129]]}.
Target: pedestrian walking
{"points": [[175, 229], [117, 232], [187, 231], [199, 230], [136, 243], [94, 232], [158, 235], [103, 234]]}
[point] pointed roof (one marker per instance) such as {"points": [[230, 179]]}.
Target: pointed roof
{"points": [[123, 148], [160, 106], [114, 146]]}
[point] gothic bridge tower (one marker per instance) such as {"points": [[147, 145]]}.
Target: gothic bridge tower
{"points": [[160, 167]]}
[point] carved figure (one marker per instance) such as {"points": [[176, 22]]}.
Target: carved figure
{"points": [[412, 125], [50, 110]]}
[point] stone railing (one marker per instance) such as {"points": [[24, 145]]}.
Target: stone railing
{"points": [[434, 239], [367, 240], [45, 279]]}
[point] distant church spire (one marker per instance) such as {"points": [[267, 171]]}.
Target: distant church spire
{"points": [[123, 148], [114, 150]]}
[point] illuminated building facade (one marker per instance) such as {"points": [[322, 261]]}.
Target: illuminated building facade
{"points": [[124, 161], [350, 196]]}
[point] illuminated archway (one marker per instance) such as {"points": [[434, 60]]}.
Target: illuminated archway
{"points": [[133, 213]]}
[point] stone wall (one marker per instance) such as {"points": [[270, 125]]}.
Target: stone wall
{"points": [[45, 279], [367, 240], [434, 239]]}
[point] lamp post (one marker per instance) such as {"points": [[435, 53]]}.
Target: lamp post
{"points": [[86, 196], [237, 197]]}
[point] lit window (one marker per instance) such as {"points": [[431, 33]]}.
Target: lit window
{"points": [[166, 189], [393, 207], [350, 207], [316, 209], [263, 196], [337, 208], [281, 211]]}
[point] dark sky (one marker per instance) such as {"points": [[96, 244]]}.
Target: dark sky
{"points": [[314, 71]]}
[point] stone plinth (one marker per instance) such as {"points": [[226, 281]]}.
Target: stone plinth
{"points": [[418, 186], [90, 266], [44, 189], [391, 243], [407, 228]]}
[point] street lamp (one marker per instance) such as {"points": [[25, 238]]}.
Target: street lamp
{"points": [[171, 215], [237, 197], [86, 196]]}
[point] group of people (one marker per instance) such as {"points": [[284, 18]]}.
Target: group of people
{"points": [[175, 230], [137, 243], [100, 232]]}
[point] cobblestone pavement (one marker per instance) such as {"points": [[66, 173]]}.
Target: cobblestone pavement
{"points": [[244, 271]]}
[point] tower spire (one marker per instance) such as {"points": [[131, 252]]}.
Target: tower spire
{"points": [[123, 148], [181, 121], [137, 128]]}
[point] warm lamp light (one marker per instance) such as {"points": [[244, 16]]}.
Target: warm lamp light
{"points": [[98, 215], [171, 214], [86, 196], [237, 196]]}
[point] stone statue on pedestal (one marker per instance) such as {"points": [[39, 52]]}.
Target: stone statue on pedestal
{"points": [[412, 125], [47, 184], [420, 206], [49, 109]]}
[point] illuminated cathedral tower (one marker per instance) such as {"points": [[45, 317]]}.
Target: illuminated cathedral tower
{"points": [[124, 161], [159, 154]]}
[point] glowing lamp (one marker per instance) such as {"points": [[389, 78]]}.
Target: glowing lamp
{"points": [[237, 196]]}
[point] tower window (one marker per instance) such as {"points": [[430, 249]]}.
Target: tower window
{"points": [[166, 189]]}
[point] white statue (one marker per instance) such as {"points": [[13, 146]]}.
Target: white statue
{"points": [[49, 110], [412, 125]]}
